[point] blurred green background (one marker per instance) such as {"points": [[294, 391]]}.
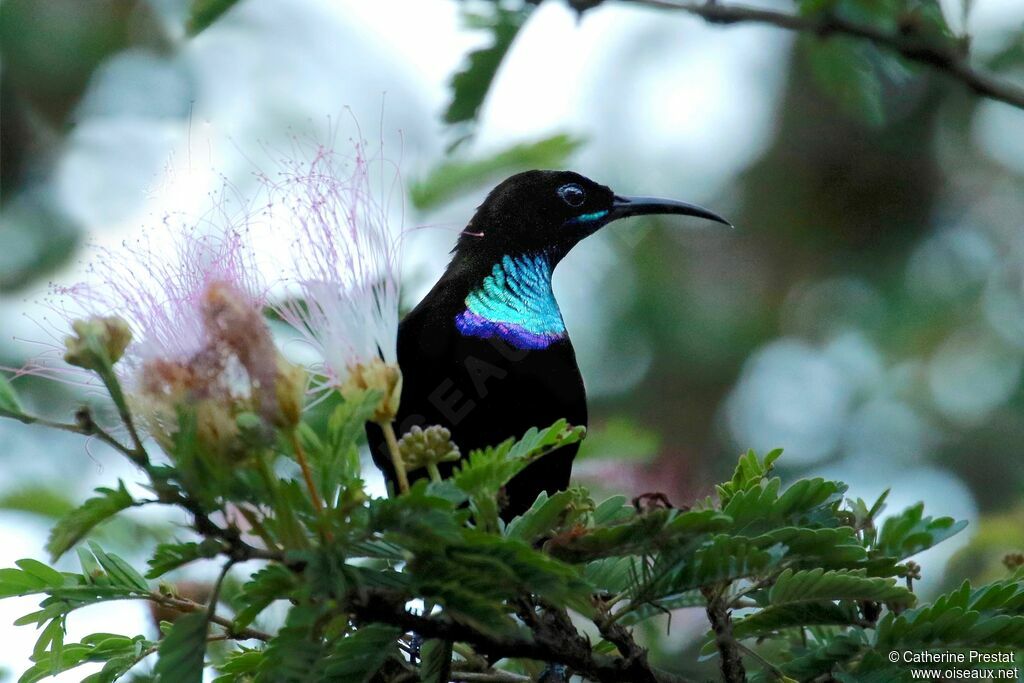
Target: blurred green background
{"points": [[867, 313]]}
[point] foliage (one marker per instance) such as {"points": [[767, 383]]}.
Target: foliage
{"points": [[823, 588], [455, 177], [77, 523], [202, 13], [471, 83]]}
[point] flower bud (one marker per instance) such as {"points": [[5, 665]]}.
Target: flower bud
{"points": [[217, 431], [97, 343], [378, 376], [290, 390], [424, 447]]}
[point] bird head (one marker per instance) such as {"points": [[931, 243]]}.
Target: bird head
{"points": [[551, 211]]}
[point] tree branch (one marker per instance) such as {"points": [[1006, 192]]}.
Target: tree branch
{"points": [[622, 639], [385, 608], [947, 59], [185, 605], [493, 676], [721, 624]]}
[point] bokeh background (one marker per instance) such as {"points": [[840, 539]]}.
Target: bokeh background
{"points": [[866, 314]]}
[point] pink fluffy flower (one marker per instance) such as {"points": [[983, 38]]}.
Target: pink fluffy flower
{"points": [[342, 267], [192, 296], [157, 287]]}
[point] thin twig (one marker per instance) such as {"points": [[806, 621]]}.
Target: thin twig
{"points": [[237, 548], [775, 671], [947, 59], [211, 610], [396, 456], [90, 429], [138, 454], [307, 474], [494, 676], [185, 605]]}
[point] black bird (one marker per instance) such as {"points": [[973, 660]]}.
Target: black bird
{"points": [[486, 353]]}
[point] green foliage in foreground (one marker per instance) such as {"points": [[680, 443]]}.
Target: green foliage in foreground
{"points": [[797, 581]]}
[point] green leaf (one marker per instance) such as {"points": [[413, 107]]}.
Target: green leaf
{"points": [[273, 582], [120, 653], [910, 532], [990, 616], [794, 615], [471, 82], [75, 525], [347, 422], [436, 658], [484, 472], [119, 571], [843, 70], [358, 656], [239, 665], [640, 534], [202, 13], [456, 177], [50, 577], [750, 472], [822, 657], [722, 558], [832, 548], [416, 517], [38, 500], [182, 651], [612, 510], [809, 502], [51, 641], [546, 516], [612, 574], [170, 556], [296, 653], [818, 584], [335, 459], [9, 403], [475, 576]]}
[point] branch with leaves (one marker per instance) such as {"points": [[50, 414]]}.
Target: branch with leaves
{"points": [[431, 583], [818, 577], [917, 33]]}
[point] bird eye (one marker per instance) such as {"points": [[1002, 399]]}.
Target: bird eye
{"points": [[572, 194]]}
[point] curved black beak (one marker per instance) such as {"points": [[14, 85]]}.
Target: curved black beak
{"points": [[623, 207]]}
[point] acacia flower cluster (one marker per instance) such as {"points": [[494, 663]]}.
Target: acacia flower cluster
{"points": [[341, 270], [187, 324]]}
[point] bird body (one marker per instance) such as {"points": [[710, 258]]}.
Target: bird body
{"points": [[486, 352], [486, 361]]}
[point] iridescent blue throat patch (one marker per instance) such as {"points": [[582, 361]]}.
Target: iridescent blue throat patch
{"points": [[516, 304]]}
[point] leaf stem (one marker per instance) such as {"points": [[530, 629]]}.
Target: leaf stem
{"points": [[86, 428], [396, 456], [110, 381], [185, 605], [307, 474]]}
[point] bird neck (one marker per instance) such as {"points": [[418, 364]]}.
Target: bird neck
{"points": [[513, 301]]}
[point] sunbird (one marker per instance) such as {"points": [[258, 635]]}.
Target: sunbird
{"points": [[486, 353]]}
